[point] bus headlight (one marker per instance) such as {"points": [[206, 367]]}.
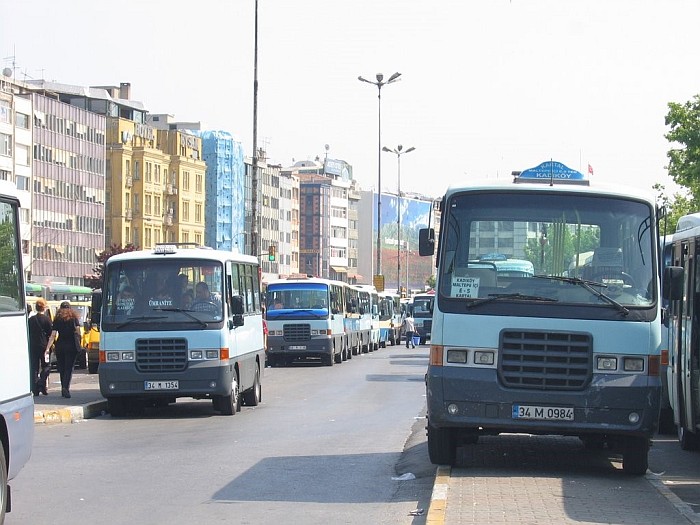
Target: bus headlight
{"points": [[195, 354], [127, 356], [634, 364], [457, 356], [112, 356], [607, 363], [483, 358], [212, 354]]}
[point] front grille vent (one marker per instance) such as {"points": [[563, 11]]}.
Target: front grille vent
{"points": [[293, 333], [545, 360], [161, 355]]}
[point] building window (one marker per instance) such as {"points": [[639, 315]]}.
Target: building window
{"points": [[186, 180], [198, 183], [22, 120], [198, 213], [185, 211], [5, 111], [5, 145]]}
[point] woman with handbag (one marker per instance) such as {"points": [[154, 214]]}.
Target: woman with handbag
{"points": [[66, 326], [39, 333]]}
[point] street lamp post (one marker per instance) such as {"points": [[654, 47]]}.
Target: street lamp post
{"points": [[379, 83], [398, 150]]}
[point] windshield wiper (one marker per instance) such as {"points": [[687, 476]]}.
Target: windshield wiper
{"points": [[588, 285], [201, 323], [139, 319], [519, 296]]}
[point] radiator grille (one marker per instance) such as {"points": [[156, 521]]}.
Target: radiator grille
{"points": [[161, 355], [297, 332], [545, 360]]}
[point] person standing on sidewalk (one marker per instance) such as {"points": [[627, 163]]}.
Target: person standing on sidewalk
{"points": [[66, 326], [409, 328], [39, 333]]}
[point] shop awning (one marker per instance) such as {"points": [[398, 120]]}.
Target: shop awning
{"points": [[355, 276], [339, 269]]}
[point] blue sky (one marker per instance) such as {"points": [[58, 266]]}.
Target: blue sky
{"points": [[487, 86]]}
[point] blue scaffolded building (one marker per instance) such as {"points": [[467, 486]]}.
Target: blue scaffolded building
{"points": [[224, 215]]}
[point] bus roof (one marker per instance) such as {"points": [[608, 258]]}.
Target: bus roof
{"points": [[184, 253]]}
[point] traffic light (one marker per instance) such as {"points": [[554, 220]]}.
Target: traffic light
{"points": [[271, 252]]}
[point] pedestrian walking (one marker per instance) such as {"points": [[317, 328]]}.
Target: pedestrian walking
{"points": [[39, 333], [66, 327], [409, 328]]}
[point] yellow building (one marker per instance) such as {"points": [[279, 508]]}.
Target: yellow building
{"points": [[155, 185]]}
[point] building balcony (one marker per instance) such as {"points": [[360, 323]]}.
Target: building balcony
{"points": [[170, 189], [128, 214], [128, 181], [168, 219]]}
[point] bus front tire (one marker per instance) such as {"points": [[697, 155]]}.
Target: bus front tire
{"points": [[688, 440], [442, 445], [3, 484], [230, 404], [252, 397], [635, 457]]}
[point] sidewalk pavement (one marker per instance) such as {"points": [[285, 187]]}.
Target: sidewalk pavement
{"points": [[85, 401]]}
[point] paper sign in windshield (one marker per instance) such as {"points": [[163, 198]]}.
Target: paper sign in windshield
{"points": [[465, 287]]}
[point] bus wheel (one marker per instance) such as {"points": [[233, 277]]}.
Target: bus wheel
{"points": [[252, 397], [688, 440], [337, 357], [442, 445], [329, 359], [116, 406], [635, 457], [92, 368], [230, 404], [3, 483]]}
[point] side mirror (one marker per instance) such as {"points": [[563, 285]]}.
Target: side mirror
{"points": [[96, 307], [672, 285], [426, 241]]}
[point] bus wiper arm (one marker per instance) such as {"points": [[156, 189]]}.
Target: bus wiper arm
{"points": [[518, 296], [139, 319], [588, 285], [199, 321]]}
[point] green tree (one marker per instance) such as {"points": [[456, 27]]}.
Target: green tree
{"points": [[430, 282], [95, 280], [676, 207], [684, 160]]}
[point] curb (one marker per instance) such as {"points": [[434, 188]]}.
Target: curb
{"points": [[438, 500], [682, 507], [69, 414]]}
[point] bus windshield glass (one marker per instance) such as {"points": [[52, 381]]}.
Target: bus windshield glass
{"points": [[563, 247], [297, 300], [162, 293]]}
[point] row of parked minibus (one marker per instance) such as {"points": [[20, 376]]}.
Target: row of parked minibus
{"points": [[330, 321], [680, 356]]}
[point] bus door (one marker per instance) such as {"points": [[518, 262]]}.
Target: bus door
{"points": [[688, 336]]}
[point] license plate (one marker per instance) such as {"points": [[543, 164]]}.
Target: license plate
{"points": [[161, 385], [543, 413], [298, 347]]}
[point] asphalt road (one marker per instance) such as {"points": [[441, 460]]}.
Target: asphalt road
{"points": [[322, 447]]}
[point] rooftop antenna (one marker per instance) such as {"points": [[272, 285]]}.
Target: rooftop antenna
{"points": [[13, 56]]}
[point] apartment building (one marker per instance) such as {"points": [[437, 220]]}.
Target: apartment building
{"points": [[68, 184]]}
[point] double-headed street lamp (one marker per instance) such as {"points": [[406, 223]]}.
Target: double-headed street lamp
{"points": [[379, 83], [398, 150]]}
